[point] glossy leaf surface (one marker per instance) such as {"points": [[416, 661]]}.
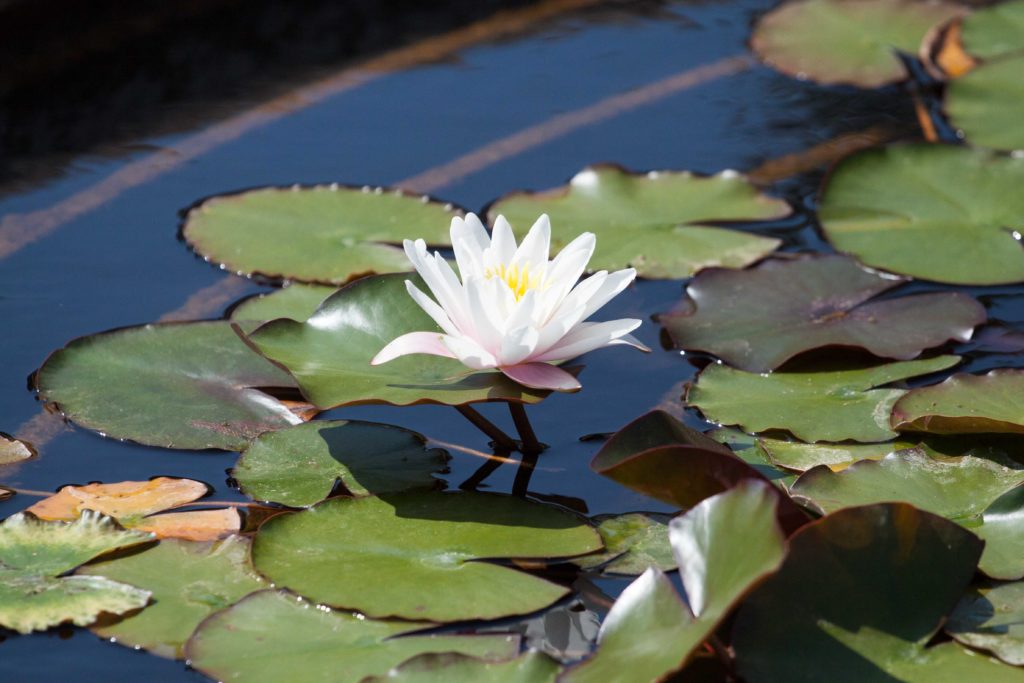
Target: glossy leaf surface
{"points": [[965, 404]]}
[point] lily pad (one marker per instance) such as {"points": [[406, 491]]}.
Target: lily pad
{"points": [[330, 353], [33, 554], [186, 385], [935, 212], [634, 542], [1002, 529], [451, 667], [661, 457], [888, 568], [854, 42], [318, 644], [326, 233], [724, 546], [813, 406], [655, 222], [965, 404], [189, 582], [800, 457], [991, 617], [297, 301], [759, 318], [302, 465], [12, 450], [414, 555], [131, 503]]}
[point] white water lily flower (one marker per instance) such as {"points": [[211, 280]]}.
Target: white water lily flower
{"points": [[513, 309]]}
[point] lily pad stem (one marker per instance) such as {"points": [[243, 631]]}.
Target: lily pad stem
{"points": [[502, 441], [521, 484], [530, 444]]}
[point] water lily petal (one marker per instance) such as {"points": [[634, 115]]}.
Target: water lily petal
{"points": [[572, 260], [612, 285], [542, 376], [469, 353], [517, 345], [482, 295], [414, 342], [630, 340], [503, 243], [533, 252], [431, 308], [587, 337], [469, 240]]}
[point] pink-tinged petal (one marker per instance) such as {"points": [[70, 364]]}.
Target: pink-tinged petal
{"points": [[542, 376], [503, 242], [431, 308], [609, 289], [431, 343], [469, 240], [469, 353], [588, 337], [535, 246]]}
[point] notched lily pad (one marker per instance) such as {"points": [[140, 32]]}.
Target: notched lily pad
{"points": [[188, 581], [633, 542], [329, 355], [814, 406], [297, 301], [415, 555], [936, 212], [132, 502], [33, 555], [759, 318], [659, 222], [325, 233], [302, 465], [855, 42], [888, 568], [964, 403], [318, 644], [991, 617], [183, 385]]}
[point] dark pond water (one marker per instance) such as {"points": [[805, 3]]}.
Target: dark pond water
{"points": [[119, 263]]}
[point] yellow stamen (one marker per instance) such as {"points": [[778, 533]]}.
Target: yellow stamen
{"points": [[519, 279]]}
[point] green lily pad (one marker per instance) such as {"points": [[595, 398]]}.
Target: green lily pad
{"points": [[759, 318], [451, 667], [302, 465], [965, 404], [991, 617], [413, 555], [325, 233], [813, 406], [12, 450], [855, 42], [724, 546], [800, 457], [935, 212], [1002, 529], [746, 448], [297, 301], [661, 457], [271, 636], [184, 385], [633, 542], [330, 353], [34, 553], [887, 568], [986, 102], [189, 582], [654, 222]]}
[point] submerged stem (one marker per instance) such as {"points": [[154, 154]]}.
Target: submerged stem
{"points": [[501, 440], [521, 484]]}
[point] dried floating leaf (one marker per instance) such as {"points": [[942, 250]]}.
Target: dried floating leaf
{"points": [[124, 499], [194, 525], [855, 42], [759, 318], [656, 222], [327, 233], [12, 450]]}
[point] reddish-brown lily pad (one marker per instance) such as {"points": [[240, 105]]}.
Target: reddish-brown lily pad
{"points": [[759, 318], [965, 404]]}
